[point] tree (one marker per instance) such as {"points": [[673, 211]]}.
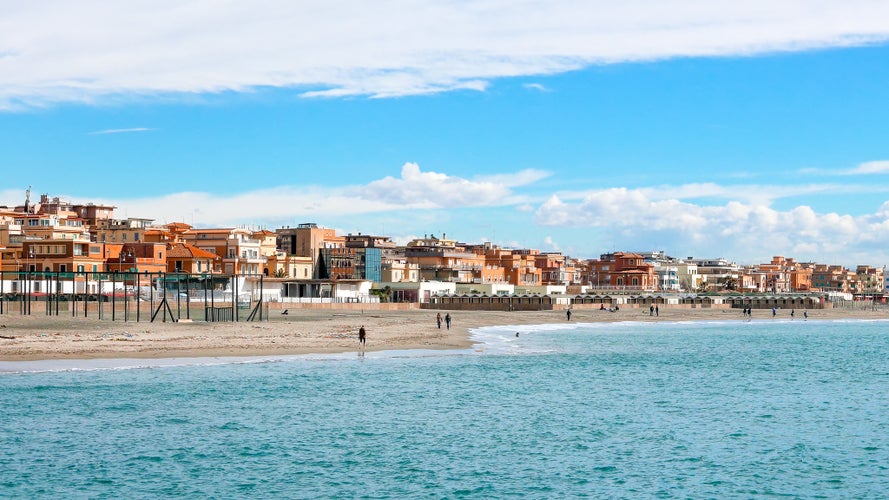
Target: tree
{"points": [[729, 283], [385, 293]]}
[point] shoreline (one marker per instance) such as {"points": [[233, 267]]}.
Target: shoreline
{"points": [[43, 338]]}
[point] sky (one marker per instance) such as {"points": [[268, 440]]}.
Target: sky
{"points": [[741, 130]]}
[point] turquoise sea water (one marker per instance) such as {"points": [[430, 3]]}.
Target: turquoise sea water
{"points": [[721, 410]]}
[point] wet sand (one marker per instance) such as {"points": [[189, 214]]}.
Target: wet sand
{"points": [[305, 331]]}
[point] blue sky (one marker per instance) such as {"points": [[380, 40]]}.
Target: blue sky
{"points": [[737, 131]]}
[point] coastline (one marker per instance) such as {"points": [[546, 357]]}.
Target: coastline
{"points": [[308, 331]]}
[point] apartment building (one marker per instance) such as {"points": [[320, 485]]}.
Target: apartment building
{"points": [[130, 230], [187, 258], [61, 256], [307, 239], [282, 265], [140, 257], [441, 259], [621, 270], [240, 252]]}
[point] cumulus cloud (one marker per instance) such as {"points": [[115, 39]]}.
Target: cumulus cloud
{"points": [[92, 50], [415, 189], [418, 189], [550, 244], [636, 218]]}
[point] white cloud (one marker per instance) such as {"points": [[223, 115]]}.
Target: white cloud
{"points": [[121, 131], [417, 189], [748, 232], [536, 86], [92, 50], [871, 167], [413, 190], [550, 244], [520, 178], [866, 168]]}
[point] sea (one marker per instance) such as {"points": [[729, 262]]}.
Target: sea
{"points": [[729, 409]]}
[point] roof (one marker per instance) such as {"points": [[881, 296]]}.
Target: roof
{"points": [[186, 251]]}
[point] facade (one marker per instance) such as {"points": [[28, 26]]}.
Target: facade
{"points": [[399, 270], [281, 265], [136, 257], [307, 239], [716, 274], [621, 270], [440, 259], [61, 256], [131, 230], [240, 252], [186, 258]]}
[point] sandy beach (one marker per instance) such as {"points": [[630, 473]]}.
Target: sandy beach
{"points": [[39, 337]]}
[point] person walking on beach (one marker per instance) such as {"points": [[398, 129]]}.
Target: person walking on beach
{"points": [[438, 320], [568, 313], [651, 310], [657, 311], [805, 314], [448, 320], [362, 338]]}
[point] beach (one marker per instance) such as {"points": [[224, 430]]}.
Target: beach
{"points": [[309, 331]]}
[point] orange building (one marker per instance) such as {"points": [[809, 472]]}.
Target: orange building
{"points": [[185, 258], [622, 270], [440, 259], [61, 256], [136, 257]]}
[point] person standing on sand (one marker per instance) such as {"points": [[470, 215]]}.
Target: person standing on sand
{"points": [[569, 314], [448, 320], [362, 338], [438, 320], [657, 311], [651, 310]]}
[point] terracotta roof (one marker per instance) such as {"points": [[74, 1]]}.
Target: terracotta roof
{"points": [[215, 230], [178, 227], [186, 251]]}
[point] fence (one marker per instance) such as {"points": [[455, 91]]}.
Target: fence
{"points": [[127, 296]]}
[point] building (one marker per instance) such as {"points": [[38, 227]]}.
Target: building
{"points": [[307, 239], [131, 230], [240, 251], [621, 270], [440, 259], [186, 258]]}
